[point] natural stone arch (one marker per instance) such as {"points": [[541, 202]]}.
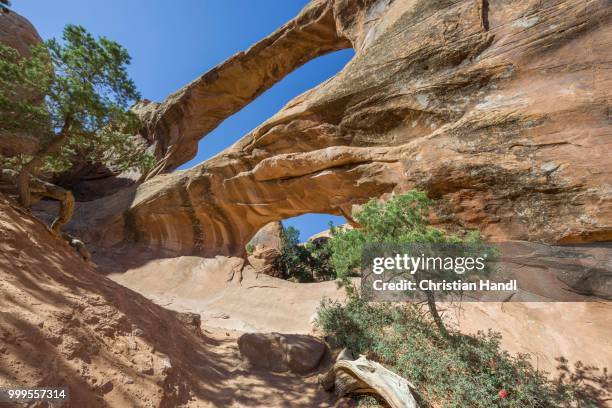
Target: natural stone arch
{"points": [[470, 109], [175, 126]]}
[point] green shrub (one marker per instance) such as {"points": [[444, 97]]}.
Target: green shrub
{"points": [[319, 260], [457, 371], [400, 220]]}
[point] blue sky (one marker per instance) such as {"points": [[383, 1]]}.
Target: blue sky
{"points": [[171, 43]]}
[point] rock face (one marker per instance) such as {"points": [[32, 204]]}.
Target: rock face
{"points": [[17, 32], [500, 110], [276, 352], [265, 247], [558, 273], [175, 126]]}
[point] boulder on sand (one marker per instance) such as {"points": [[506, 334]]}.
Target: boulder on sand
{"points": [[298, 353]]}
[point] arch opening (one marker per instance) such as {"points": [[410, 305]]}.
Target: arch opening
{"points": [[311, 224], [304, 78]]}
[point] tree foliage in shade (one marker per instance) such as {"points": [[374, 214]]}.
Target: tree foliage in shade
{"points": [[293, 260], [86, 94]]}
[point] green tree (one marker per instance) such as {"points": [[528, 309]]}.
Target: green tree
{"points": [[87, 93], [401, 220], [294, 258], [304, 262]]}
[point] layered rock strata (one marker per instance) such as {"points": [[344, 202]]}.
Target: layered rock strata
{"points": [[500, 110]]}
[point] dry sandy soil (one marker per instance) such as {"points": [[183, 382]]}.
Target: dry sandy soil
{"points": [[578, 331], [62, 322]]}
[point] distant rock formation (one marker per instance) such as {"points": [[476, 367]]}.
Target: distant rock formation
{"points": [[264, 249]]}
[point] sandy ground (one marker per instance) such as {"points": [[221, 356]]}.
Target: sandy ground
{"points": [[226, 298], [578, 331], [63, 324]]}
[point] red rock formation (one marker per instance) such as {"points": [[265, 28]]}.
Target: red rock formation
{"points": [[175, 126], [499, 110]]}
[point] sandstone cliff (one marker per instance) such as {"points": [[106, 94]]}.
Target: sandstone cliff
{"points": [[498, 109]]}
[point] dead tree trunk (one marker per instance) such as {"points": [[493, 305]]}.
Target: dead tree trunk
{"points": [[363, 376], [41, 188]]}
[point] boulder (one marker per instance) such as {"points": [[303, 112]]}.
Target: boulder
{"points": [[264, 248], [298, 353], [263, 260]]}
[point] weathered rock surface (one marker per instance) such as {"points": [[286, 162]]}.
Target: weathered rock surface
{"points": [[500, 110], [175, 126], [276, 352], [558, 273], [265, 248], [18, 32]]}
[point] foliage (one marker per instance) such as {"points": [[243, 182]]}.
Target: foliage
{"points": [[303, 262], [401, 220], [293, 262], [22, 82], [451, 372], [320, 259], [76, 92]]}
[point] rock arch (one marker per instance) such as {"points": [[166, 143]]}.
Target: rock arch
{"points": [[492, 114]]}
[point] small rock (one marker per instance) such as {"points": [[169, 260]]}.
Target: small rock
{"points": [[137, 332], [191, 320], [105, 387], [147, 371]]}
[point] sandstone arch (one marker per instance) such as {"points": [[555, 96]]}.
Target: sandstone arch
{"points": [[175, 125], [491, 109]]}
